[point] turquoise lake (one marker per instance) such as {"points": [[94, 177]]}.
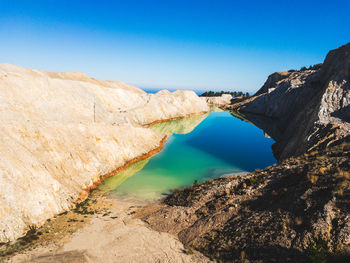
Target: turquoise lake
{"points": [[199, 148]]}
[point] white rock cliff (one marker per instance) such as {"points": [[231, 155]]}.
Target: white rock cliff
{"points": [[60, 132]]}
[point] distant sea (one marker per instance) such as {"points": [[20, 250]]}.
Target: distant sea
{"points": [[153, 90]]}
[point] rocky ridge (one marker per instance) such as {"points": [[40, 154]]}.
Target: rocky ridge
{"points": [[310, 107]]}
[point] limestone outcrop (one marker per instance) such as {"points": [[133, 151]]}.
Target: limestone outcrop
{"points": [[60, 132], [310, 107], [223, 100]]}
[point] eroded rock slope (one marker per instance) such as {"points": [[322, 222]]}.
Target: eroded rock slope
{"points": [[310, 107], [60, 132]]}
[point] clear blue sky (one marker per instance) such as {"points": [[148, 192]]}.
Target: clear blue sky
{"points": [[217, 44]]}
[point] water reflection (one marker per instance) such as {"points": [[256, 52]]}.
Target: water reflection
{"points": [[113, 182], [180, 126], [199, 148]]}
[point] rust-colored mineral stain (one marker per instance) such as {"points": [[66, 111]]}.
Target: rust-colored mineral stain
{"points": [[85, 193]]}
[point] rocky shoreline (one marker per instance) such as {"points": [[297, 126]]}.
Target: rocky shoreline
{"points": [[111, 218], [292, 212], [85, 193], [295, 211]]}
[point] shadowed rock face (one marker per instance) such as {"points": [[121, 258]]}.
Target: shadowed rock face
{"points": [[59, 132], [272, 80], [311, 108]]}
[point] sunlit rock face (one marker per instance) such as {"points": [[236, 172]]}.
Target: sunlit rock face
{"points": [[222, 100], [61, 131]]}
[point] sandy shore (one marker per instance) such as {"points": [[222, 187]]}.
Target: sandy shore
{"points": [[102, 229]]}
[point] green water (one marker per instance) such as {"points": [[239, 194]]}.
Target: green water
{"points": [[199, 148]]}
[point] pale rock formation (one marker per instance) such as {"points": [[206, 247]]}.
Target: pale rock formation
{"points": [[60, 132], [224, 99]]}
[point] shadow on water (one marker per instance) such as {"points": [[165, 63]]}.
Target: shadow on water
{"points": [[234, 141], [268, 125]]}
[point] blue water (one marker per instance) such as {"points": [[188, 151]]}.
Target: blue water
{"points": [[201, 148]]}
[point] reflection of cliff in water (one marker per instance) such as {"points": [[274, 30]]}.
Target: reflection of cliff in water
{"points": [[180, 126], [268, 125], [113, 182]]}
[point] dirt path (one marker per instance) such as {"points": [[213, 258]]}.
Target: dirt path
{"points": [[101, 230]]}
